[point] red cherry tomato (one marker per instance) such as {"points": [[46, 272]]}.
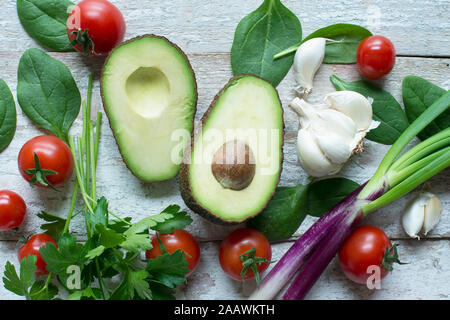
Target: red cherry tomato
{"points": [[32, 248], [365, 247], [12, 210], [95, 27], [375, 57], [53, 154], [178, 239], [239, 242]]}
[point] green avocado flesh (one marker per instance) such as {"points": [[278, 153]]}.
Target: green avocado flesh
{"points": [[150, 95], [247, 110]]}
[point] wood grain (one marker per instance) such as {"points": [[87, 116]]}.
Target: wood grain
{"points": [[205, 31], [417, 28]]}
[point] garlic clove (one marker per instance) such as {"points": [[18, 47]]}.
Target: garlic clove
{"points": [[338, 123], [311, 157], [336, 149], [307, 61], [433, 211], [412, 219], [354, 105]]}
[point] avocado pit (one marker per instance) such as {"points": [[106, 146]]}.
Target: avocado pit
{"points": [[233, 165]]}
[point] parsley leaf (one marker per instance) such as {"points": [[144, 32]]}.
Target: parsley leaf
{"points": [[137, 242], [37, 292], [68, 253], [137, 284], [20, 285], [169, 269], [100, 215], [180, 220], [55, 225], [86, 294], [108, 237]]}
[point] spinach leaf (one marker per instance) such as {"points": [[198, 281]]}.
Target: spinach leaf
{"points": [[47, 92], [45, 21], [418, 94], [284, 213], [347, 38], [259, 36], [386, 110], [325, 194], [343, 49], [8, 117]]}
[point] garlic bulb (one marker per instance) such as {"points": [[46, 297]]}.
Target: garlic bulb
{"points": [[332, 131], [422, 213], [308, 58]]}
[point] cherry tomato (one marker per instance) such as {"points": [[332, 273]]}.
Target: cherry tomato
{"points": [[236, 244], [365, 247], [32, 248], [53, 154], [375, 57], [95, 27], [12, 210], [178, 239]]}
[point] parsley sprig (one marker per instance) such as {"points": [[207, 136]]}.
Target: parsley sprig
{"points": [[113, 247]]}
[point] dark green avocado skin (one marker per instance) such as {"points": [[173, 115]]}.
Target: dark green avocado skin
{"points": [[185, 187]]}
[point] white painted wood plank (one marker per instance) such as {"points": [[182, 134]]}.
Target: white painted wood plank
{"points": [[425, 277], [417, 28]]}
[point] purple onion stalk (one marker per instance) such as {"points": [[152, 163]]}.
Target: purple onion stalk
{"points": [[396, 176], [336, 223]]}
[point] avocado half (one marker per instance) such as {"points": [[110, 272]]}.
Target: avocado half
{"points": [[149, 94], [246, 115]]}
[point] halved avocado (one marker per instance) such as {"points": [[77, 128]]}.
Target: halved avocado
{"points": [[149, 94], [234, 164]]}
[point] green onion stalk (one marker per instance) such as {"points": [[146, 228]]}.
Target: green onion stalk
{"points": [[398, 173]]}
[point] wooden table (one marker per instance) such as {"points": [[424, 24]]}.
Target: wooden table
{"points": [[420, 31]]}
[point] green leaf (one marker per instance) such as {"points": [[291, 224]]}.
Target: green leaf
{"points": [[55, 225], [347, 38], [119, 225], [137, 242], [134, 283], [45, 21], [108, 237], [137, 284], [20, 285], [283, 215], [171, 218], [386, 110], [262, 34], [86, 294], [419, 94], [151, 222], [100, 215], [161, 292], [68, 253], [169, 269], [325, 194], [96, 252], [37, 293], [8, 116], [180, 220], [47, 92]]}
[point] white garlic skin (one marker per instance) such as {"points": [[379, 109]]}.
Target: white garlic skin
{"points": [[330, 132], [308, 59], [422, 213]]}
